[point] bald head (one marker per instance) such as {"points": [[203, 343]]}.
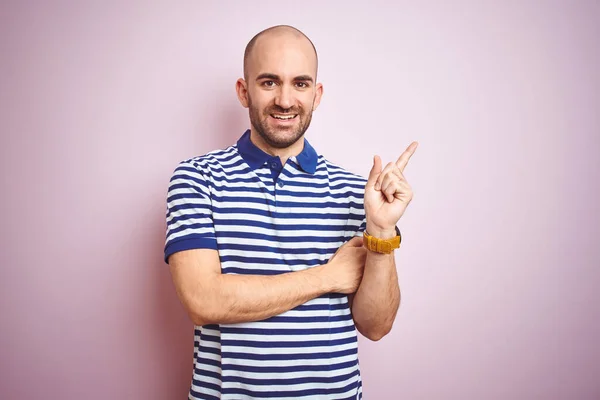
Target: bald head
{"points": [[279, 88], [280, 34]]}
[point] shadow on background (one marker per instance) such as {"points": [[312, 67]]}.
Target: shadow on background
{"points": [[173, 338]]}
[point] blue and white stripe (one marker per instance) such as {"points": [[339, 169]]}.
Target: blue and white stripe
{"points": [[268, 219]]}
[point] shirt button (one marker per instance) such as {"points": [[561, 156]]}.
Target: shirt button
{"points": [[273, 165], [280, 184]]}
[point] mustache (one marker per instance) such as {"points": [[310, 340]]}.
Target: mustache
{"points": [[279, 110]]}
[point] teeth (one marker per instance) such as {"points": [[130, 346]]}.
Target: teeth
{"points": [[283, 116]]}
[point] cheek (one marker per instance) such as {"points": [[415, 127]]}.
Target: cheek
{"points": [[260, 100], [255, 100], [307, 103], [257, 108]]}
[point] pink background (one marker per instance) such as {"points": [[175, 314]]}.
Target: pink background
{"points": [[499, 267]]}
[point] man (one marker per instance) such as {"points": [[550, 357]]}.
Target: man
{"points": [[265, 243]]}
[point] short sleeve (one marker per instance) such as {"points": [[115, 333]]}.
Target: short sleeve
{"points": [[189, 212]]}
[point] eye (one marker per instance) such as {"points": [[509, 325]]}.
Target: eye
{"points": [[302, 84], [269, 83]]}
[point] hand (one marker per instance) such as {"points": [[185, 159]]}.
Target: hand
{"points": [[345, 267], [387, 194]]}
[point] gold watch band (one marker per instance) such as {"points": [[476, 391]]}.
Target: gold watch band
{"points": [[384, 246]]}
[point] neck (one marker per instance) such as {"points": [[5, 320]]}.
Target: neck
{"points": [[284, 153]]}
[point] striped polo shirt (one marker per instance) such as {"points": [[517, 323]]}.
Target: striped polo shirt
{"points": [[265, 218]]}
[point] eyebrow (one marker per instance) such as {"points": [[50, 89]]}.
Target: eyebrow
{"points": [[266, 75], [307, 78]]}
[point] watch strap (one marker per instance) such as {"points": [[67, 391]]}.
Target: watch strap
{"points": [[384, 246]]}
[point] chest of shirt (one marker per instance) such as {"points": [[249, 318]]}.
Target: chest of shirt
{"points": [[267, 225]]}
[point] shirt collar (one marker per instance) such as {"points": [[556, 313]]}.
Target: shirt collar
{"points": [[255, 157]]}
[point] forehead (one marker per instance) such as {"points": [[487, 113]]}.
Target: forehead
{"points": [[284, 55]]}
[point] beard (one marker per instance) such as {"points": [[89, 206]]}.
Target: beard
{"points": [[281, 137]]}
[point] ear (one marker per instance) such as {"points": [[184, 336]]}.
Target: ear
{"points": [[242, 92], [318, 95]]}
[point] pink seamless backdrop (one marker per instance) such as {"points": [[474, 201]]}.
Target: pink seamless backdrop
{"points": [[499, 266]]}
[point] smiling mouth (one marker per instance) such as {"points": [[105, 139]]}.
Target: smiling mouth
{"points": [[284, 117]]}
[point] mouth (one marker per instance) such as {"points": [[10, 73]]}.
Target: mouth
{"points": [[284, 118]]}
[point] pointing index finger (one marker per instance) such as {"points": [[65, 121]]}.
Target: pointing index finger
{"points": [[404, 157]]}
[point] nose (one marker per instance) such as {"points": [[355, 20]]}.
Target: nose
{"points": [[284, 98]]}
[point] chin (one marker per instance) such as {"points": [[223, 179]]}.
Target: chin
{"points": [[283, 139]]}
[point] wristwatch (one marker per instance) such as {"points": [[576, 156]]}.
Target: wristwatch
{"points": [[384, 246]]}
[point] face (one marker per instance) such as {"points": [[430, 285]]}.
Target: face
{"points": [[281, 92]]}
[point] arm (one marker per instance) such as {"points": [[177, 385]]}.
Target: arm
{"points": [[376, 303], [387, 194], [211, 297]]}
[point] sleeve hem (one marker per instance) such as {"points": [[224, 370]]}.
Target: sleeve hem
{"points": [[189, 244]]}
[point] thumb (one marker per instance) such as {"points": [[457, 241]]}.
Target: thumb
{"points": [[356, 241], [375, 171]]}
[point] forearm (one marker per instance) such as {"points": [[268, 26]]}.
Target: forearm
{"points": [[243, 298], [377, 299]]}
